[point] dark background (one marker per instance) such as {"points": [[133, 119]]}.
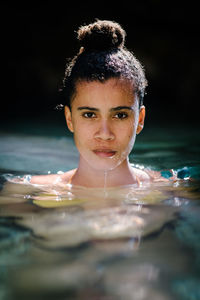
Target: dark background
{"points": [[37, 38]]}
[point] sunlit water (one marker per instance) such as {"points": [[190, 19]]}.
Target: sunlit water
{"points": [[65, 242]]}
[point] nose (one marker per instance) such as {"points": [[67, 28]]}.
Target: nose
{"points": [[104, 131]]}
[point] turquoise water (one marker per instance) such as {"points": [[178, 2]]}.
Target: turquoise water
{"points": [[73, 243]]}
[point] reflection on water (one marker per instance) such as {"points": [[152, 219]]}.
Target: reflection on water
{"points": [[65, 242], [135, 243]]}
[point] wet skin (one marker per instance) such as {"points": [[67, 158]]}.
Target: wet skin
{"points": [[105, 118]]}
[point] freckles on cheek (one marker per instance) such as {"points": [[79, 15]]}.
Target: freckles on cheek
{"points": [[131, 133]]}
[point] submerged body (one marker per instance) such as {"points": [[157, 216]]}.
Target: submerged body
{"points": [[82, 240]]}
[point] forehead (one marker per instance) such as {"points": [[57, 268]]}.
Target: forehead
{"points": [[113, 91]]}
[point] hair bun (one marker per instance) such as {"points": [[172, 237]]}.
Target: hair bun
{"points": [[101, 35]]}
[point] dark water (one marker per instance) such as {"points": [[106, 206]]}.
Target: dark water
{"points": [[73, 243]]}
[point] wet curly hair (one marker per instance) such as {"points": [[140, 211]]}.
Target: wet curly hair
{"points": [[102, 56]]}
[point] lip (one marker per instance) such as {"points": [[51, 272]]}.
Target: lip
{"points": [[104, 152]]}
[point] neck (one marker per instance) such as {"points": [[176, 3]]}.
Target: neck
{"points": [[87, 176]]}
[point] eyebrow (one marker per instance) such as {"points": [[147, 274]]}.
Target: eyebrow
{"points": [[112, 109], [121, 108], [87, 108]]}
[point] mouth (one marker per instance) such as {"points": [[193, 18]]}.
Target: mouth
{"points": [[104, 152]]}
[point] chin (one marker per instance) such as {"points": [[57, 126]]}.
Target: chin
{"points": [[104, 164]]}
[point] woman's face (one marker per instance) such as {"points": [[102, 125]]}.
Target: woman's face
{"points": [[105, 119]]}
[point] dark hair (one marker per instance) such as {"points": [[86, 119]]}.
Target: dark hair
{"points": [[103, 56]]}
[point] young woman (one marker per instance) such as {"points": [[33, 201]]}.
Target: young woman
{"points": [[104, 86]]}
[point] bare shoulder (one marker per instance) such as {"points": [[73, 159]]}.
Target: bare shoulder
{"points": [[156, 176], [52, 178], [149, 175], [44, 179], [142, 175]]}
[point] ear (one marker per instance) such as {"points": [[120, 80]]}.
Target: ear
{"points": [[141, 119], [68, 117]]}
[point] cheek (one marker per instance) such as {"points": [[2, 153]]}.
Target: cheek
{"points": [[82, 134], [127, 133], [126, 138], [131, 139]]}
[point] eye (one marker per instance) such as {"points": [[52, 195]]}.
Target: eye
{"points": [[121, 115], [89, 115]]}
